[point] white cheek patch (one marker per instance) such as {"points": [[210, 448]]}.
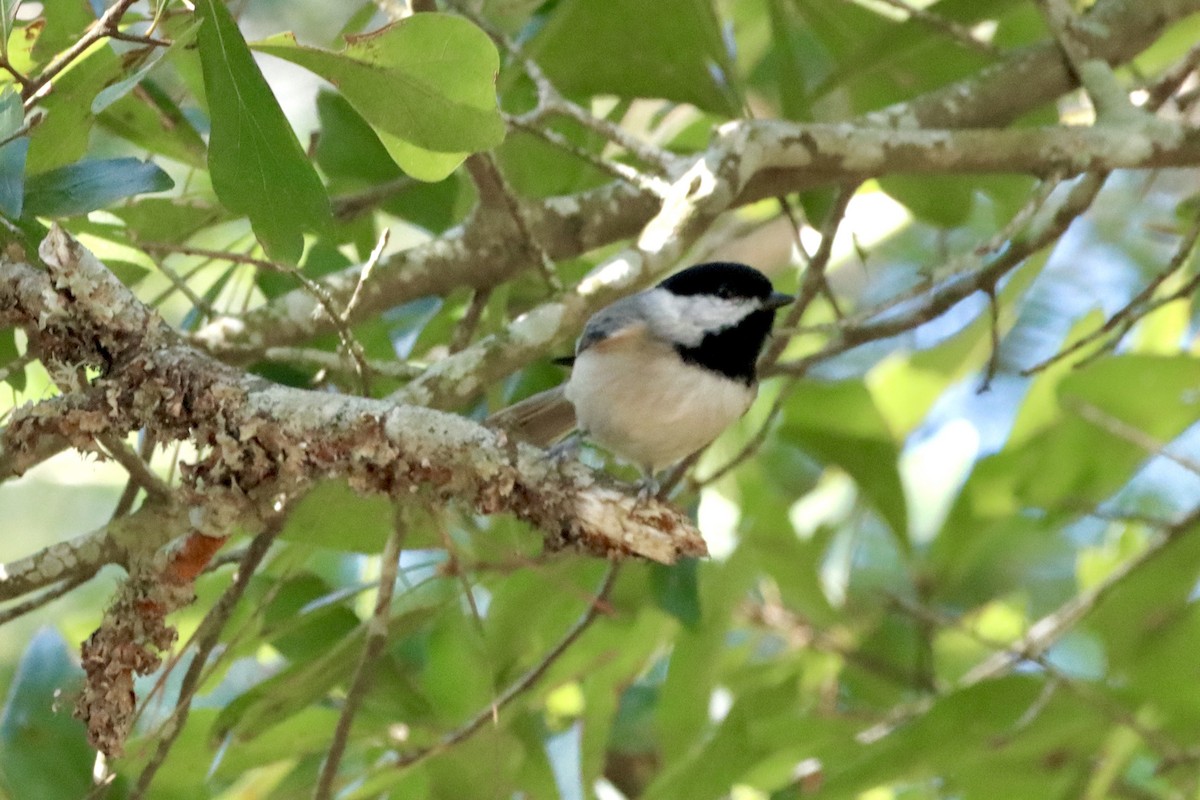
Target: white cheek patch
{"points": [[687, 319]]}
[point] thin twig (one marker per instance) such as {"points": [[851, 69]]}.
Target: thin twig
{"points": [[318, 292], [801, 634], [377, 629], [947, 295], [215, 255], [349, 206], [365, 274], [552, 103], [960, 33], [336, 361], [1116, 713], [1044, 633], [814, 275], [17, 76], [1131, 434], [470, 322], [53, 593], [149, 41], [993, 362], [622, 172], [1137, 308], [134, 464], [495, 192], [522, 684], [32, 121], [132, 486], [180, 284]]}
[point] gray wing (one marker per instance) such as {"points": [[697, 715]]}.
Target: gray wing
{"points": [[622, 315]]}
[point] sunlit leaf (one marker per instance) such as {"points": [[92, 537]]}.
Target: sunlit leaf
{"points": [[62, 137], [65, 21], [426, 83]]}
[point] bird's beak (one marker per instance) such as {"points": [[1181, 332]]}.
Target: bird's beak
{"points": [[777, 300]]}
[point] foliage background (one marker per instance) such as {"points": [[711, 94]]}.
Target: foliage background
{"points": [[942, 565]]}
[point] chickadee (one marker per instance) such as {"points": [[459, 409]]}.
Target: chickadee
{"points": [[658, 375]]}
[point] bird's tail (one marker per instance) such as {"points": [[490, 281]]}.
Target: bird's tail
{"points": [[539, 419]]}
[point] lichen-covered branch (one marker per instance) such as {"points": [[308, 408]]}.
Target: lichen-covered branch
{"points": [[261, 442]]}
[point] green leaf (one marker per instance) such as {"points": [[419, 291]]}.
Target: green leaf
{"points": [[65, 21], [998, 727], [456, 678], [151, 119], [422, 164], [9, 354], [164, 219], [726, 754], [257, 165], [322, 518], [623, 47], [676, 590], [62, 138], [882, 62], [43, 750], [89, 185], [1098, 409], [349, 151], [857, 439], [792, 50], [290, 692], [12, 154], [426, 83], [307, 616], [8, 12], [942, 200]]}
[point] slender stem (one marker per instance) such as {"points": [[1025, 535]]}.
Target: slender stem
{"points": [[377, 630]]}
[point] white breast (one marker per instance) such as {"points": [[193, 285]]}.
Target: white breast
{"points": [[652, 408]]}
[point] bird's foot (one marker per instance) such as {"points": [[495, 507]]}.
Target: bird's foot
{"points": [[566, 450], [648, 488]]}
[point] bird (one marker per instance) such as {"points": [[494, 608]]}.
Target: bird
{"points": [[658, 375]]}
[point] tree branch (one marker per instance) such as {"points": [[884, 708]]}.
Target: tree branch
{"points": [[482, 253], [260, 441]]}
